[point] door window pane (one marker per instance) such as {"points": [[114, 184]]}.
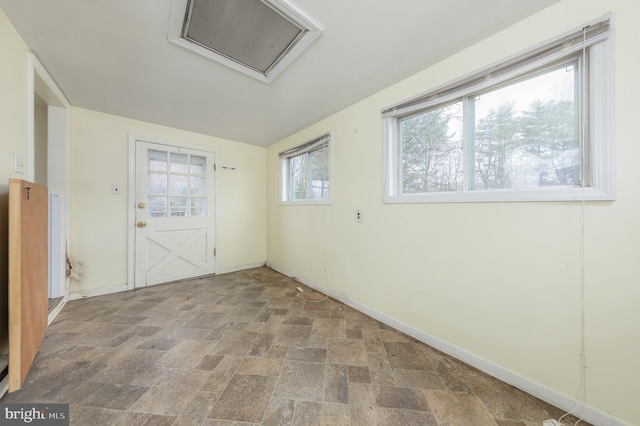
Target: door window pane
{"points": [[178, 206], [157, 183], [198, 165], [198, 207], [198, 185], [179, 163], [179, 185], [157, 206], [157, 161]]}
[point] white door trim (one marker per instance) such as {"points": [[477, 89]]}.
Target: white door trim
{"points": [[58, 178], [131, 200]]}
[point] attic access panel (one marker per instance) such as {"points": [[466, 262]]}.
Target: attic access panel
{"points": [[259, 38]]}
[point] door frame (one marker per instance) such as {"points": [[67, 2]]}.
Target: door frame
{"points": [[58, 168], [131, 200]]}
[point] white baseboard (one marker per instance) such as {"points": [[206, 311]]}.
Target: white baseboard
{"points": [[588, 413], [55, 311], [83, 294], [240, 268]]}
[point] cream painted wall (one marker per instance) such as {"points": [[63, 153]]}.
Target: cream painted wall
{"points": [[99, 158], [14, 57], [501, 281]]}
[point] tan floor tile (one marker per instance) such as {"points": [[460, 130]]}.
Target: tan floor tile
{"points": [[292, 335], [316, 341], [186, 355], [358, 374], [222, 374], [245, 399], [336, 384], [402, 398], [209, 362], [301, 380], [390, 416], [188, 343], [158, 420], [167, 396], [260, 367], [205, 320], [346, 351], [307, 413], [329, 327], [334, 414], [459, 408], [279, 412], [506, 402], [362, 405], [118, 397], [88, 415], [407, 356], [307, 354], [129, 418], [235, 343]]}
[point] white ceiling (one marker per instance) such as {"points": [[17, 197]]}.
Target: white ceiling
{"points": [[113, 56]]}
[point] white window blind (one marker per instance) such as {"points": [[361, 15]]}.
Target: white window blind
{"points": [[321, 142], [508, 69]]}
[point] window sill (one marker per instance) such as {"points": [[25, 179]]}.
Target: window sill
{"points": [[324, 202], [504, 195]]}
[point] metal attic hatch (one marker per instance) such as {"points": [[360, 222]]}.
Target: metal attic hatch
{"points": [[259, 38]]}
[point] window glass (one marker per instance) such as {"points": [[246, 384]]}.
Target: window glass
{"points": [[179, 163], [431, 147], [157, 183], [319, 160], [198, 165], [177, 188], [198, 206], [157, 161], [298, 177], [526, 133], [157, 206], [305, 171], [536, 127], [178, 206]]}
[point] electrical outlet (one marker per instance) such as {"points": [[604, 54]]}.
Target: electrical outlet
{"points": [[358, 216]]}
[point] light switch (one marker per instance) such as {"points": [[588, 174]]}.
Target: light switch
{"points": [[18, 163]]}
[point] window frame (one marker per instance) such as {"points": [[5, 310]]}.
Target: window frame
{"points": [[320, 142], [597, 160]]}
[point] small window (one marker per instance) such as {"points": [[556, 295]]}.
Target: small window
{"points": [[306, 172], [533, 128]]}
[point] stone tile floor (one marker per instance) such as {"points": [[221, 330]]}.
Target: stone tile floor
{"points": [[245, 348]]}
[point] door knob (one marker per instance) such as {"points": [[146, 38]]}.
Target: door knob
{"points": [[141, 224], [142, 205]]}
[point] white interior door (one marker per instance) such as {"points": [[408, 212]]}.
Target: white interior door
{"points": [[174, 214]]}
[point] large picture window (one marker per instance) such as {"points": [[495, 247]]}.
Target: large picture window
{"points": [[535, 127], [305, 172]]}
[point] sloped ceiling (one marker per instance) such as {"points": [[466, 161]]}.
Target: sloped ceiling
{"points": [[113, 56]]}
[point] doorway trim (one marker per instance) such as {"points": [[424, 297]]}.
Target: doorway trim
{"points": [[58, 166], [131, 200]]}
